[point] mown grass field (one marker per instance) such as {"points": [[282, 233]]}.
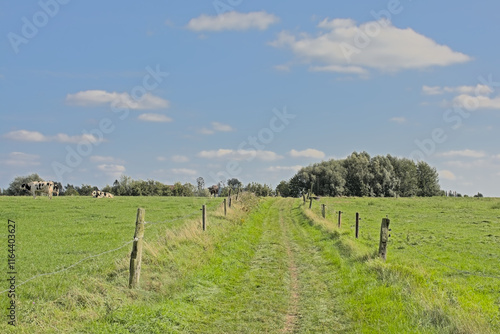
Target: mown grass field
{"points": [[442, 271], [272, 265]]}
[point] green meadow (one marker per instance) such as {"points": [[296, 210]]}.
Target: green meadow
{"points": [[271, 265]]}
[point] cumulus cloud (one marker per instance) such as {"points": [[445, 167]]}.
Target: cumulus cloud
{"points": [[90, 98], [222, 127], [105, 159], [20, 159], [447, 175], [345, 47], [216, 127], [113, 170], [462, 153], [477, 102], [295, 168], [239, 154], [308, 153], [25, 135], [232, 21], [157, 118], [183, 171], [476, 90], [35, 136]]}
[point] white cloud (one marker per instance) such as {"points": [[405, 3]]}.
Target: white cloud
{"points": [[180, 158], [447, 175], [232, 21], [158, 118], [239, 155], [216, 127], [434, 90], [343, 46], [113, 170], [205, 131], [183, 171], [308, 153], [118, 100], [221, 127], [35, 136], [105, 159], [399, 120], [477, 90], [20, 159], [160, 158], [462, 153], [339, 69], [474, 164], [25, 135], [64, 138], [477, 102], [295, 168]]}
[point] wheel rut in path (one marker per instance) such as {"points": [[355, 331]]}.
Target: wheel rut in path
{"points": [[293, 309]]}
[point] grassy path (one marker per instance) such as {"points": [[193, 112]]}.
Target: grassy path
{"points": [[283, 282]]}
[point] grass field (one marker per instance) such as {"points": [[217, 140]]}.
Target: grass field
{"points": [[442, 269], [272, 265]]}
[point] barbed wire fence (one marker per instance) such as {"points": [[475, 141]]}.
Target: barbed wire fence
{"points": [[147, 223], [418, 251]]}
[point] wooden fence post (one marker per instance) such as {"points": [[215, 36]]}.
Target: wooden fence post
{"points": [[340, 218], [136, 255], [304, 197], [357, 225], [310, 203], [323, 210], [237, 193], [384, 238], [225, 209], [204, 216]]}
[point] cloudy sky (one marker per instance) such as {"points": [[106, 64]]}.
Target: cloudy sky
{"points": [[173, 90]]}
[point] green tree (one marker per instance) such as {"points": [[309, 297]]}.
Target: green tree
{"points": [[428, 180], [85, 190], [14, 188], [283, 189], [71, 190], [359, 177]]}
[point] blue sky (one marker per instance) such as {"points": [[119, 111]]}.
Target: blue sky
{"points": [[248, 89]]}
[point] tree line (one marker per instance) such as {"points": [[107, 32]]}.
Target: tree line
{"points": [[126, 186], [360, 175], [357, 175]]}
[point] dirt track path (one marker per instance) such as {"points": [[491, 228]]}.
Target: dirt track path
{"points": [[285, 282]]}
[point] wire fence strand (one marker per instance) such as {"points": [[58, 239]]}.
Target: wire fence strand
{"points": [[108, 251], [71, 266]]}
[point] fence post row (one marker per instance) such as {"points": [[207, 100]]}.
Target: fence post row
{"points": [[136, 255], [357, 225], [204, 216], [384, 238]]}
